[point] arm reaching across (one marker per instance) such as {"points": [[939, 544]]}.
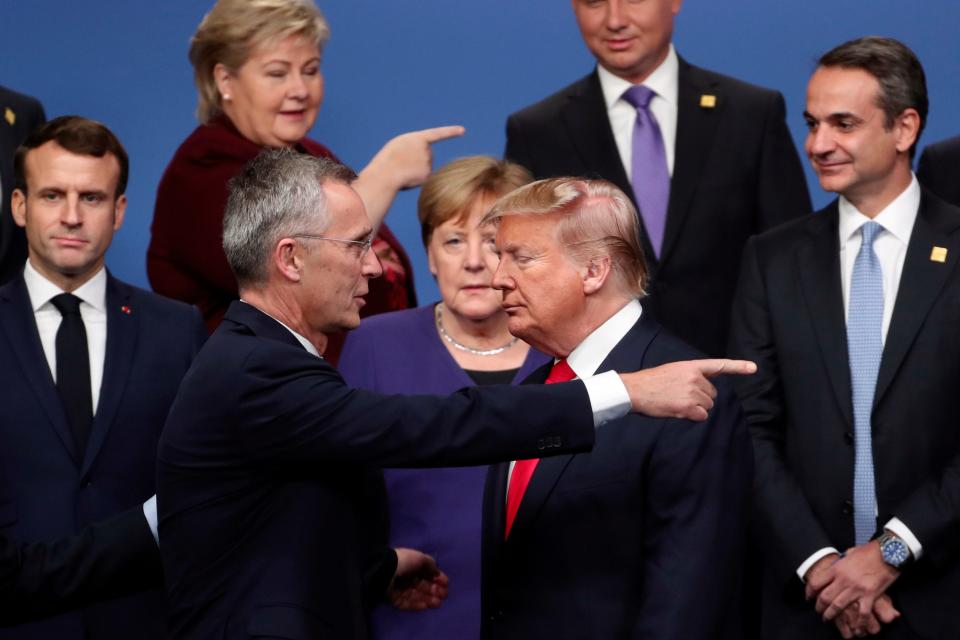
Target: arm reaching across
{"points": [[418, 583]]}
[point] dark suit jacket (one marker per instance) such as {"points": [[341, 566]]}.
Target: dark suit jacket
{"points": [[27, 114], [736, 173], [789, 318], [641, 538], [47, 490], [263, 469], [939, 169], [106, 560]]}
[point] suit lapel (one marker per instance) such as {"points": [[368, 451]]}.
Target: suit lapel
{"points": [[121, 343], [921, 282], [696, 127], [18, 322], [818, 263]]}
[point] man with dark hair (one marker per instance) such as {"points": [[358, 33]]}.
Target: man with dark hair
{"points": [[91, 365], [611, 543], [851, 315], [939, 169], [707, 159], [264, 464], [19, 115]]}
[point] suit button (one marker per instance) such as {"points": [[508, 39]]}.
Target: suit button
{"points": [[847, 507], [541, 445], [848, 437], [557, 442]]}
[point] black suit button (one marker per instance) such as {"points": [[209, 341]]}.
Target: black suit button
{"points": [[557, 442], [541, 445], [847, 507], [848, 437]]}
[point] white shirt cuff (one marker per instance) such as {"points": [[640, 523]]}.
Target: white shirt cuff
{"points": [[896, 527], [150, 513], [608, 397], [812, 560]]}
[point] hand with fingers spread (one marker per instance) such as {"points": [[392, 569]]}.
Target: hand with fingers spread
{"points": [[403, 162], [680, 389], [418, 583]]}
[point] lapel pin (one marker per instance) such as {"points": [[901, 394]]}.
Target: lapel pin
{"points": [[938, 254], [708, 101], [9, 116], [125, 309]]}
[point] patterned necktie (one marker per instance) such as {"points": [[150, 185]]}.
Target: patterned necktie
{"points": [[73, 369], [523, 469], [648, 175], [865, 347]]}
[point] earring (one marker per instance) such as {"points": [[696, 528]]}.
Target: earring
{"points": [[226, 97]]}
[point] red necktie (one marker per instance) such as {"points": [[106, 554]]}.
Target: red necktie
{"points": [[523, 469]]}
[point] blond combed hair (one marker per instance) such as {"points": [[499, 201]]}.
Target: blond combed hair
{"points": [[596, 220], [232, 29]]}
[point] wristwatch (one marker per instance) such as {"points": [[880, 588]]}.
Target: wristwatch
{"points": [[894, 550]]}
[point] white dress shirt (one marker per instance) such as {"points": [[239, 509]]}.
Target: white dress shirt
{"points": [[587, 357], [93, 311], [890, 246], [664, 81]]}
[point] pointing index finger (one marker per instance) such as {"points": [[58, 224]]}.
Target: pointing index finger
{"points": [[714, 367], [437, 134]]}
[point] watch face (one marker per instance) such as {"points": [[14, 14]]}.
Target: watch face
{"points": [[895, 552]]}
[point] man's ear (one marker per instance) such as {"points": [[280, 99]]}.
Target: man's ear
{"points": [[595, 275], [18, 207], [907, 126], [288, 259]]}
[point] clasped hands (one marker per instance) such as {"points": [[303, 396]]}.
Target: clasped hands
{"points": [[851, 589]]}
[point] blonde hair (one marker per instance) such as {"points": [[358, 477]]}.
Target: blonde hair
{"points": [[597, 219], [232, 29], [451, 191]]}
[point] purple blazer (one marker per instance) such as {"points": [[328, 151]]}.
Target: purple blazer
{"points": [[437, 511]]}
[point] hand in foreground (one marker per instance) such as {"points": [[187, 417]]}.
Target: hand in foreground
{"points": [[680, 389], [407, 160], [418, 583], [859, 578], [883, 613]]}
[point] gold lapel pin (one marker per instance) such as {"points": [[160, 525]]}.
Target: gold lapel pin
{"points": [[9, 116], [938, 254], [708, 101]]}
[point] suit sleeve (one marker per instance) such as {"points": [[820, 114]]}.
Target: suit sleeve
{"points": [[113, 558], [299, 411], [516, 149], [782, 186], [696, 503], [786, 521]]}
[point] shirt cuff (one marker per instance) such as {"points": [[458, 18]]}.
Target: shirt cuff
{"points": [[608, 397], [150, 513], [812, 560], [902, 531]]}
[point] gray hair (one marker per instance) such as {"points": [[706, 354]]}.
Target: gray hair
{"points": [[598, 219], [278, 194]]}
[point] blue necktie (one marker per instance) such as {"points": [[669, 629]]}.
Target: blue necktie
{"points": [[864, 347], [648, 175]]}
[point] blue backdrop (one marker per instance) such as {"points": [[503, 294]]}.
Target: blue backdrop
{"points": [[396, 66]]}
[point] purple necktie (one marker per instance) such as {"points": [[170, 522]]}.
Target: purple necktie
{"points": [[649, 175]]}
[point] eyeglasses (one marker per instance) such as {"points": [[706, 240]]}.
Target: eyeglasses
{"points": [[360, 245]]}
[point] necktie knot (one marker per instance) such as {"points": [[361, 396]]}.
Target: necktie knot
{"points": [[561, 372], [639, 96], [869, 231], [66, 304]]}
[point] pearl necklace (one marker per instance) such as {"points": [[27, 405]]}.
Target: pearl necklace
{"points": [[438, 315]]}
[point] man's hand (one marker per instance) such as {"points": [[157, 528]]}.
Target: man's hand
{"points": [[859, 578], [418, 583], [680, 389], [883, 613]]}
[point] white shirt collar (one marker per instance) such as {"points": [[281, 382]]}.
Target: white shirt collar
{"points": [[590, 354], [897, 218], [664, 81], [41, 290], [303, 341]]}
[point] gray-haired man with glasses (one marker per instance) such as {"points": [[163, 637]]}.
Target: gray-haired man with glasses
{"points": [[271, 511]]}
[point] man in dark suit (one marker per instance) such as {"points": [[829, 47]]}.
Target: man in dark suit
{"points": [[19, 115], [91, 364], [851, 315], [116, 557], [939, 169], [707, 159], [267, 524], [611, 543]]}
